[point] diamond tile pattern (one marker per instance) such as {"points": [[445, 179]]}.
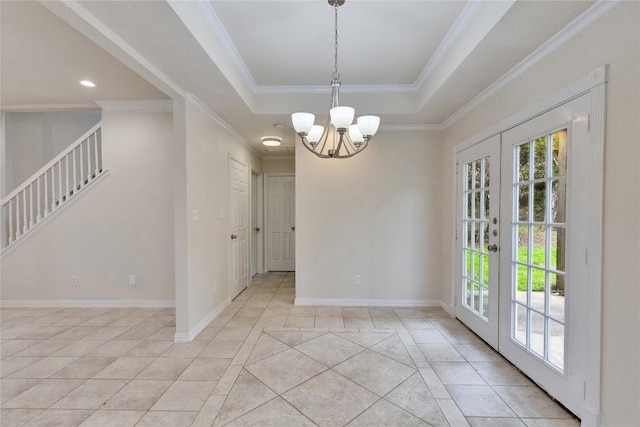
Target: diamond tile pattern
{"points": [[262, 362]]}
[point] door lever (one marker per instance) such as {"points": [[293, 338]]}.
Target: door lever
{"points": [[234, 236], [492, 248]]}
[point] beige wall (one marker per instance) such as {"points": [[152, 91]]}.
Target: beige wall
{"points": [[32, 139], [613, 40], [278, 165], [122, 226], [376, 215], [202, 247]]}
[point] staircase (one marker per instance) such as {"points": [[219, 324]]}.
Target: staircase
{"points": [[56, 184]]}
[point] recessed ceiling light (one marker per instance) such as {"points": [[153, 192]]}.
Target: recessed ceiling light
{"points": [[271, 141], [87, 83]]}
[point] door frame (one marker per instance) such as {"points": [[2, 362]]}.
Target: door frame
{"points": [[593, 84], [266, 212]]}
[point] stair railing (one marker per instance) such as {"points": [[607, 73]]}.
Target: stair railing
{"points": [[52, 186]]}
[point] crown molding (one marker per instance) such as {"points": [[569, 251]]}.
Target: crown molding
{"points": [[280, 157], [316, 89], [217, 26], [410, 128], [142, 106], [576, 26], [219, 120], [76, 15], [46, 107], [449, 39]]}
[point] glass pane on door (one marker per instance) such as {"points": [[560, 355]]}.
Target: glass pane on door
{"points": [[539, 246], [475, 225]]}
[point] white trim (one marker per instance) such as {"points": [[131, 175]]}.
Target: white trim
{"points": [[218, 28], [219, 120], [76, 15], [371, 302], [97, 303], [188, 337], [593, 283], [141, 106], [317, 89], [449, 39], [410, 128], [558, 40], [46, 107], [280, 157]]}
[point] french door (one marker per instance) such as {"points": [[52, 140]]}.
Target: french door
{"points": [[479, 183], [536, 220]]}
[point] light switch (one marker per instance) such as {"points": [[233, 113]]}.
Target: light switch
{"points": [[195, 215]]}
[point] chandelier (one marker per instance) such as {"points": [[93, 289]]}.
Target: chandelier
{"points": [[339, 138]]}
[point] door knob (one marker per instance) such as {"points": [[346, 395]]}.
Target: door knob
{"points": [[234, 236], [258, 229], [293, 229], [492, 248]]}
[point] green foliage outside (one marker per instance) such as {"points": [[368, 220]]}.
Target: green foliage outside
{"points": [[537, 275]]}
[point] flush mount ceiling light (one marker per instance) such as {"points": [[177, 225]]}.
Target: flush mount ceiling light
{"points": [[271, 141], [339, 139], [87, 83]]}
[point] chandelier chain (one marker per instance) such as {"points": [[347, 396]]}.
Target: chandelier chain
{"points": [[336, 75]]}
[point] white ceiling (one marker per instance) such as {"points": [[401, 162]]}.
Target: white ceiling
{"points": [[252, 63]]}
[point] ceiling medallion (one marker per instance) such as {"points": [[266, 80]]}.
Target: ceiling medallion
{"points": [[339, 139]]}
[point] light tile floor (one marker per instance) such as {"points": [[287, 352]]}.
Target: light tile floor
{"points": [[261, 362]]}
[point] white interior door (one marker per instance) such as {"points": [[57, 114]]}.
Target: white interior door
{"points": [[281, 223], [239, 214], [478, 183], [543, 249], [255, 227]]}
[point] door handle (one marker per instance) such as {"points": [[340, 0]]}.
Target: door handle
{"points": [[293, 229], [258, 229], [234, 236], [492, 248]]}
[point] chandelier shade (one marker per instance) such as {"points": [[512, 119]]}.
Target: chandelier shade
{"points": [[339, 138]]}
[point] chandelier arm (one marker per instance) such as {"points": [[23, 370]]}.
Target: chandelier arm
{"points": [[340, 143], [306, 145], [325, 136]]}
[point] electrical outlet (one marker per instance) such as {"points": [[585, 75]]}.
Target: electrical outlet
{"points": [[132, 280], [356, 280], [74, 280]]}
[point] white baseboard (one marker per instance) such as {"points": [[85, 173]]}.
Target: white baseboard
{"points": [[98, 303], [589, 418], [369, 302], [188, 337]]}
